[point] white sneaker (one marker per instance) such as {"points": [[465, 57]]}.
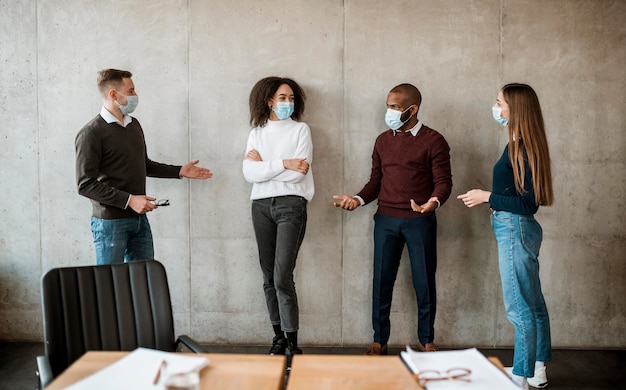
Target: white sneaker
{"points": [[540, 380], [509, 372]]}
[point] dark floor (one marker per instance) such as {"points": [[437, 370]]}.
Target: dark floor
{"points": [[570, 369]]}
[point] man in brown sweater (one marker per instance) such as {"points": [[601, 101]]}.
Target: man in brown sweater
{"points": [[111, 168], [411, 178]]}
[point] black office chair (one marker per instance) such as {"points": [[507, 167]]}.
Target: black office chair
{"points": [[115, 307]]}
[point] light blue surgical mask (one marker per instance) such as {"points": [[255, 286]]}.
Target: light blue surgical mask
{"points": [[131, 103], [497, 115], [283, 110], [392, 118]]}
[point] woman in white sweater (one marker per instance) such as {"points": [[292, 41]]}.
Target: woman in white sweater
{"points": [[278, 164]]}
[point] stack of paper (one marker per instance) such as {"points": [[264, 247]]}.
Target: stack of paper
{"points": [[138, 370], [484, 375]]}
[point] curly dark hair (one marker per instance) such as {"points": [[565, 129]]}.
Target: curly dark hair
{"points": [[262, 93]]}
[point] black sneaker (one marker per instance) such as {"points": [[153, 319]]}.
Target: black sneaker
{"points": [[279, 344]]}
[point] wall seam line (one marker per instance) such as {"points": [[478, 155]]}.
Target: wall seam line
{"points": [[38, 137], [189, 130], [343, 170]]}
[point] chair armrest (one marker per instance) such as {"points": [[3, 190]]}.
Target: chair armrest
{"points": [[44, 372], [190, 344]]}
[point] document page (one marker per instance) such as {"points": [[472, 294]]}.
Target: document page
{"points": [[140, 369], [482, 373]]}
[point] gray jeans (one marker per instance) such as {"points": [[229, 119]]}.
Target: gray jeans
{"points": [[279, 225]]}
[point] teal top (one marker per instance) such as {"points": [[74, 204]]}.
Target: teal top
{"points": [[504, 196]]}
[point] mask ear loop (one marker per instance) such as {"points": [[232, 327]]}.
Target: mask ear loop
{"points": [[407, 119], [115, 98], [117, 101]]}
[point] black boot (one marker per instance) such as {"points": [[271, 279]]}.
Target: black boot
{"points": [[292, 348], [279, 345]]}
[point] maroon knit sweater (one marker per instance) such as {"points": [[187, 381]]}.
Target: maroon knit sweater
{"points": [[406, 167]]}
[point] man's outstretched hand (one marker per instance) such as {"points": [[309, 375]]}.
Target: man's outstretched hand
{"points": [[191, 171], [346, 202]]}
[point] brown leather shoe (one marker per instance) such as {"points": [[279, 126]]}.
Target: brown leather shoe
{"points": [[376, 349], [429, 347]]}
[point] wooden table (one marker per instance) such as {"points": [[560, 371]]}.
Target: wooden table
{"points": [[225, 371], [319, 372]]}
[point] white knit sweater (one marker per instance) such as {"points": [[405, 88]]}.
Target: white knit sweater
{"points": [[275, 142]]}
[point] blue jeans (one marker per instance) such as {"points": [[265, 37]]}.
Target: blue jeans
{"points": [[279, 226], [119, 240], [420, 237], [519, 239]]}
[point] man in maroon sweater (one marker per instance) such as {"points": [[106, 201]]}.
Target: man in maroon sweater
{"points": [[411, 177]]}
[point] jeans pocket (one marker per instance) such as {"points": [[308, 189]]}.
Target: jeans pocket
{"points": [[96, 228], [502, 217], [531, 233], [293, 206]]}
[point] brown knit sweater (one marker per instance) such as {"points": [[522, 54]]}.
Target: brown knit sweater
{"points": [[112, 163]]}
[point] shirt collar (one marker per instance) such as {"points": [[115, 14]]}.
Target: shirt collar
{"points": [[110, 118], [413, 131]]}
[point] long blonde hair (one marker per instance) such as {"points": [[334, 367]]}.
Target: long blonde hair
{"points": [[527, 132]]}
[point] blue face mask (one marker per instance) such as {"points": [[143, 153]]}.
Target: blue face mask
{"points": [[283, 110], [497, 115], [392, 118], [131, 103]]}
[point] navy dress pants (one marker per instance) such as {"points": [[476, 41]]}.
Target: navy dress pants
{"points": [[390, 236]]}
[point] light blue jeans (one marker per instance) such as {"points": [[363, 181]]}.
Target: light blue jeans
{"points": [[119, 240], [519, 239]]}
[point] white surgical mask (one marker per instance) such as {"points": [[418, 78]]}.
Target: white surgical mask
{"points": [[131, 103], [392, 118], [497, 115]]}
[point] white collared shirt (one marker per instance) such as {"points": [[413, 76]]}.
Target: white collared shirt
{"points": [[110, 118], [413, 131]]}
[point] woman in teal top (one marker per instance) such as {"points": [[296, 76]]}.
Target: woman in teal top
{"points": [[522, 181]]}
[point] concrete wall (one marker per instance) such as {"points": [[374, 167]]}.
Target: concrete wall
{"points": [[194, 64]]}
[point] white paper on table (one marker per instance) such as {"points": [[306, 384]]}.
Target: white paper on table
{"points": [[138, 369], [484, 375]]}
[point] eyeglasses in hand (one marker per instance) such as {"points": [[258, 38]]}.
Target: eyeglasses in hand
{"points": [[162, 202]]}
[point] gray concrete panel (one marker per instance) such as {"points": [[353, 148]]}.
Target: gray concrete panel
{"points": [[194, 64]]}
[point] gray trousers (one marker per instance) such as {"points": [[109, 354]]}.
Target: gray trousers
{"points": [[279, 226]]}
